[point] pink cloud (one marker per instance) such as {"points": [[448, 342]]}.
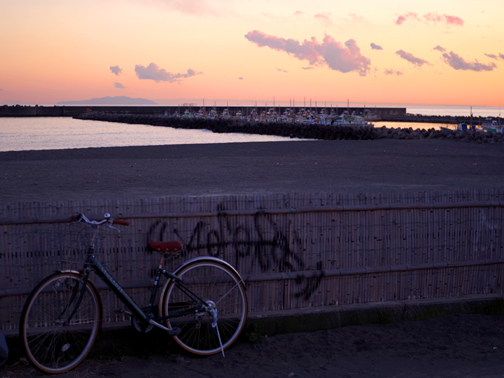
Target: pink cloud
{"points": [[458, 63], [431, 17], [453, 20], [153, 72], [324, 17], [304, 51], [411, 58], [406, 16], [343, 58]]}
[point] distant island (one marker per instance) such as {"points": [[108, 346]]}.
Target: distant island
{"points": [[117, 100]]}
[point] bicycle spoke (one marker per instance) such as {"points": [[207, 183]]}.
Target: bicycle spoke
{"points": [[221, 292], [53, 343]]}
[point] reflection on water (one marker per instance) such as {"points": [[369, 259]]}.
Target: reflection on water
{"points": [[56, 133], [414, 125]]}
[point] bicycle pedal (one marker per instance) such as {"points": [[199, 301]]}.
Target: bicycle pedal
{"points": [[174, 331]]}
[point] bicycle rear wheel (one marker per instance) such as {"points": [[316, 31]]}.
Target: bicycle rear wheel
{"points": [[221, 288], [59, 322]]}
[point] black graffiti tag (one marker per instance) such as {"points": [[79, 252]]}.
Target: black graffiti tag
{"points": [[266, 243]]}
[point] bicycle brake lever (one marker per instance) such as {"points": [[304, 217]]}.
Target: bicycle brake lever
{"points": [[113, 228], [110, 222]]}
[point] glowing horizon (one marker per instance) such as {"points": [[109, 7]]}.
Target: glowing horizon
{"points": [[228, 50]]}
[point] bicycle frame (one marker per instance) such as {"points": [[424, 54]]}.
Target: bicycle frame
{"points": [[66, 310], [139, 313]]}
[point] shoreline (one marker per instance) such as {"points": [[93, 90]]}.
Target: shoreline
{"points": [[297, 130]]}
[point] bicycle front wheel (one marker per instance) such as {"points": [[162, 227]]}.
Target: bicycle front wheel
{"points": [[215, 287], [59, 322]]}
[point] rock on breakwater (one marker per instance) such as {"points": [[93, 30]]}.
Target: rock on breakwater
{"points": [[297, 130]]}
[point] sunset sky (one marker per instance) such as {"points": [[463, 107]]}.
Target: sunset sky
{"points": [[444, 52]]}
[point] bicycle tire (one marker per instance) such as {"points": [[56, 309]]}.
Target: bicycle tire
{"points": [[214, 280], [51, 345]]}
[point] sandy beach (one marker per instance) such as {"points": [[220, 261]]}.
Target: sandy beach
{"points": [[343, 166], [453, 346]]}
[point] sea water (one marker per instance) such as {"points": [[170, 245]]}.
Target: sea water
{"points": [[57, 133], [48, 133]]}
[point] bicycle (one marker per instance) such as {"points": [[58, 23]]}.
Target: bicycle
{"points": [[203, 305]]}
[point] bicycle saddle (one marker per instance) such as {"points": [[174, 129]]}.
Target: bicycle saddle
{"points": [[168, 247]]}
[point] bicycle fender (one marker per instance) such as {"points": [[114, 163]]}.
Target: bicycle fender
{"points": [[93, 286], [214, 259]]}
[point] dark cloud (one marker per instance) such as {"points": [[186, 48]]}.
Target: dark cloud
{"points": [[393, 72], [439, 48], [458, 63], [116, 70], [496, 57], [153, 72], [307, 68], [240, 78], [412, 59], [281, 70], [119, 85], [374, 46], [343, 58]]}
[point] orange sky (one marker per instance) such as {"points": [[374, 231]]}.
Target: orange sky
{"points": [[169, 51]]}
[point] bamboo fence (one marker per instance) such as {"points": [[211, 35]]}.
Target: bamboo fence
{"points": [[293, 250]]}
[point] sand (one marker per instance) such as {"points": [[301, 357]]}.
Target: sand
{"points": [[385, 165], [454, 346]]}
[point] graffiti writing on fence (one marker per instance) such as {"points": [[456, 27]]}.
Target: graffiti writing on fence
{"points": [[264, 245]]}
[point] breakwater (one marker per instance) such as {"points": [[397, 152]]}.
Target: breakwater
{"points": [[432, 119], [72, 111], [297, 130]]}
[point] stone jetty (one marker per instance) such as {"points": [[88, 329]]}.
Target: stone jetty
{"points": [[297, 130]]}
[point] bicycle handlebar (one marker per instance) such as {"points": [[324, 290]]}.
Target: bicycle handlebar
{"points": [[107, 218], [122, 222]]}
